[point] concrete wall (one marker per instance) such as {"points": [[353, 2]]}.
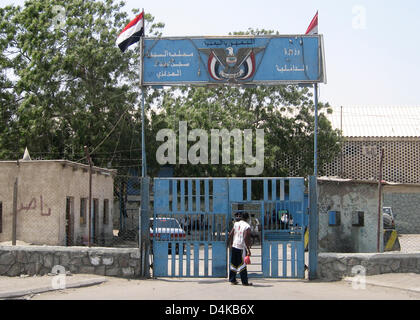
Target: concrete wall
{"points": [[336, 266], [405, 203], [43, 187], [40, 260], [348, 197]]}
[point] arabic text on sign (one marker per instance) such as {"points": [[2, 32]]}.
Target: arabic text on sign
{"points": [[291, 68], [291, 52], [171, 64], [171, 54], [229, 43], [166, 74]]}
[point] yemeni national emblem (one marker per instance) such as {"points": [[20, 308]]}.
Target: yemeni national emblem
{"points": [[224, 65]]}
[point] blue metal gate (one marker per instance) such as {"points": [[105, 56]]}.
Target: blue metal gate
{"points": [[203, 208]]}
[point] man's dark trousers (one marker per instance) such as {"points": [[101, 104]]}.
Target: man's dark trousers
{"points": [[238, 265]]}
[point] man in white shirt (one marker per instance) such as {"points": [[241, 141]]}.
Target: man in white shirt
{"points": [[240, 244]]}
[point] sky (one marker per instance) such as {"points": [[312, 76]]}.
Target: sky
{"points": [[372, 47]]}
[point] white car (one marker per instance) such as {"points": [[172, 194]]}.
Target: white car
{"points": [[166, 229]]}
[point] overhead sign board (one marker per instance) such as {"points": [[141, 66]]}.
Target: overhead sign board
{"points": [[272, 60]]}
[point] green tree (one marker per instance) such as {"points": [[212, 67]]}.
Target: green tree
{"points": [[65, 84], [285, 112]]}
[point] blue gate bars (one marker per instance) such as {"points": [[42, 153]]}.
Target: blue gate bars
{"points": [[193, 216]]}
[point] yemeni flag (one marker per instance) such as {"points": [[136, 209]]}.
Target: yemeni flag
{"points": [[131, 33], [313, 26]]}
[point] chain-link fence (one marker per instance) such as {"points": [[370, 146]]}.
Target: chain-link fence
{"points": [[402, 210], [47, 203], [127, 200]]}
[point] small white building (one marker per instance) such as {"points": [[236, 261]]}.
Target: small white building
{"points": [[52, 202]]}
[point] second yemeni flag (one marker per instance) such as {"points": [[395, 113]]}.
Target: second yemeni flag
{"points": [[131, 33], [313, 26]]}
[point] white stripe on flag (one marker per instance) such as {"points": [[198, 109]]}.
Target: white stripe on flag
{"points": [[313, 31], [130, 31]]}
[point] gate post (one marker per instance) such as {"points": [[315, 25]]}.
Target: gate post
{"points": [[313, 228], [144, 245]]}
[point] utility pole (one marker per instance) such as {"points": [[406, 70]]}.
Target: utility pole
{"points": [[90, 195], [316, 130], [381, 161], [14, 222], [341, 149]]}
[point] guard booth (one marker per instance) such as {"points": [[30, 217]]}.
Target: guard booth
{"points": [[204, 209]]}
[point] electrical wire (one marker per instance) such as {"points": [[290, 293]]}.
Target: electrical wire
{"points": [[107, 136]]}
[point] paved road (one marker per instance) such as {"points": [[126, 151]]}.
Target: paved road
{"points": [[387, 287]]}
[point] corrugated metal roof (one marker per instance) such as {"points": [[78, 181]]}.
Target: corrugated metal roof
{"points": [[377, 121]]}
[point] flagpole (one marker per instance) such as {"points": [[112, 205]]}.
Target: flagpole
{"points": [[316, 116], [143, 150], [144, 242], [143, 147], [313, 223]]}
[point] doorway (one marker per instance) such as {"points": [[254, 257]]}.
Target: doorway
{"points": [[69, 221], [95, 221]]}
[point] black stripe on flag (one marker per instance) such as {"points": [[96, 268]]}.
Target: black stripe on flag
{"points": [[129, 41]]}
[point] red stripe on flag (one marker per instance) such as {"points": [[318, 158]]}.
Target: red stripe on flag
{"points": [[313, 23], [133, 22]]}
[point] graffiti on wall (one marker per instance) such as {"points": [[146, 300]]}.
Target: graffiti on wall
{"points": [[32, 205]]}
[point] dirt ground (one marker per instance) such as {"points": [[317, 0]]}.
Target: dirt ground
{"points": [[18, 243], [410, 243]]}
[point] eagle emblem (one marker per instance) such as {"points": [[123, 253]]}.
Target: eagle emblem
{"points": [[224, 65]]}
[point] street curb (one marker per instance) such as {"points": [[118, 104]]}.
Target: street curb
{"points": [[78, 284]]}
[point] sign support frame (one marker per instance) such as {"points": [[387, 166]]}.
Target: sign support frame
{"points": [[144, 214]]}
